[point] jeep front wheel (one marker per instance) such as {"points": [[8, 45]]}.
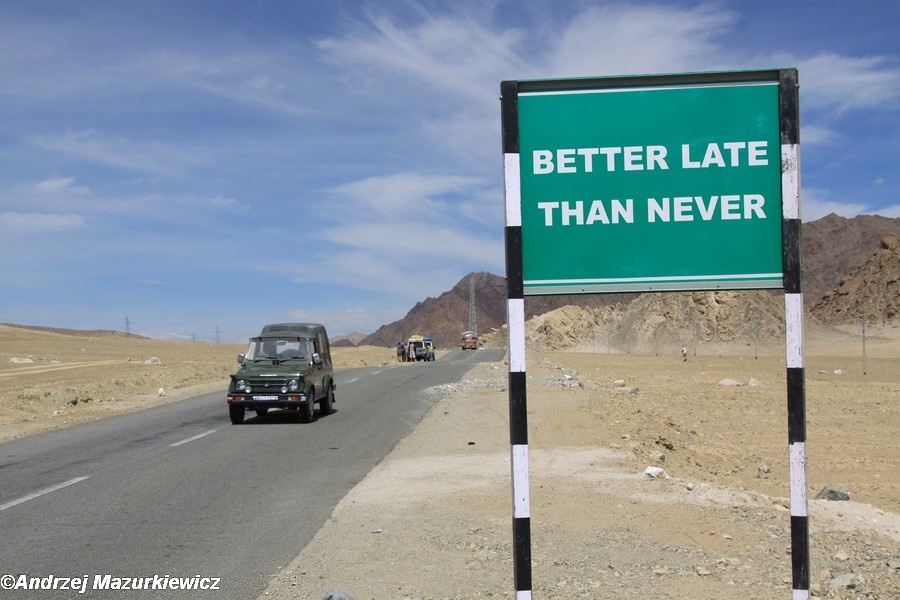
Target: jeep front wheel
{"points": [[308, 410], [236, 413], [326, 405]]}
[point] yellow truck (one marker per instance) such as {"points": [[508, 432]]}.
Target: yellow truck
{"points": [[469, 341]]}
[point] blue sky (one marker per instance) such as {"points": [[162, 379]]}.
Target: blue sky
{"points": [[205, 167]]}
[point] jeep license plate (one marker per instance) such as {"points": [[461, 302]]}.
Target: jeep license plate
{"points": [[265, 397]]}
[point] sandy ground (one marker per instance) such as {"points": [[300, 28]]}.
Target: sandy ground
{"points": [[433, 520], [50, 380]]}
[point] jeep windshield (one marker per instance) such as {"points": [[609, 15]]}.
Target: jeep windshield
{"points": [[285, 348]]}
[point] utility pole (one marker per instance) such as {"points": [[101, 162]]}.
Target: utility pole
{"points": [[217, 334], [127, 326], [755, 337], [473, 324], [862, 321]]}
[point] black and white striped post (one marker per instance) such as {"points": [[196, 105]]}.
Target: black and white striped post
{"points": [[793, 298], [515, 318], [793, 319]]}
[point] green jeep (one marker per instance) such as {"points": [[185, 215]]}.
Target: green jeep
{"points": [[288, 365]]}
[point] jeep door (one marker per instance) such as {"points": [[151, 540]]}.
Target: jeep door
{"points": [[317, 371]]}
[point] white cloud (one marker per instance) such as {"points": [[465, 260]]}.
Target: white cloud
{"points": [[839, 84], [60, 184], [403, 196], [818, 135], [455, 55], [815, 205], [892, 212], [28, 223], [620, 39], [146, 156]]}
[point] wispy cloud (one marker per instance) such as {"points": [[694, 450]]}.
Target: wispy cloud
{"points": [[621, 39], [18, 224], [838, 84], [145, 156], [59, 184]]}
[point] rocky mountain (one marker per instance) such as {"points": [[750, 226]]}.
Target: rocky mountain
{"points": [[832, 248], [444, 318], [347, 341], [661, 323], [871, 290]]}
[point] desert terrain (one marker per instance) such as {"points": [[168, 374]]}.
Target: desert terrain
{"points": [[433, 520]]}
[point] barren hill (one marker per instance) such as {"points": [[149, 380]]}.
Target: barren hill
{"points": [[658, 323], [834, 246], [77, 332], [872, 290], [444, 318]]}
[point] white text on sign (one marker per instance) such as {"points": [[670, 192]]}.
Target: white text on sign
{"points": [[659, 210], [649, 158]]}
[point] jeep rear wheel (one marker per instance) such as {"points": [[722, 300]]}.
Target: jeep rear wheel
{"points": [[236, 413]]}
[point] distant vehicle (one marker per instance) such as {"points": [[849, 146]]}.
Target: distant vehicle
{"points": [[418, 348], [469, 341], [288, 365]]}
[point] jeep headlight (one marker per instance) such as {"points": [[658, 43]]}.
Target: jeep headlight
{"points": [[241, 385], [293, 385]]}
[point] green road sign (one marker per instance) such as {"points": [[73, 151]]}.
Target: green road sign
{"points": [[650, 187]]}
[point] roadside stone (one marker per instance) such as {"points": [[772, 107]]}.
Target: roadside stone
{"points": [[655, 473], [626, 390], [730, 383], [847, 581], [834, 494]]}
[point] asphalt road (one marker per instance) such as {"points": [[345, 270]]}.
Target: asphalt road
{"points": [[177, 491]]}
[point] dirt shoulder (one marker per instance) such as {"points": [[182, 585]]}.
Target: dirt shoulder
{"points": [[433, 520]]}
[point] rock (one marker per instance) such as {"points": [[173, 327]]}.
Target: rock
{"points": [[755, 382], [655, 473], [336, 594], [834, 494], [626, 390], [730, 383], [848, 581]]}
